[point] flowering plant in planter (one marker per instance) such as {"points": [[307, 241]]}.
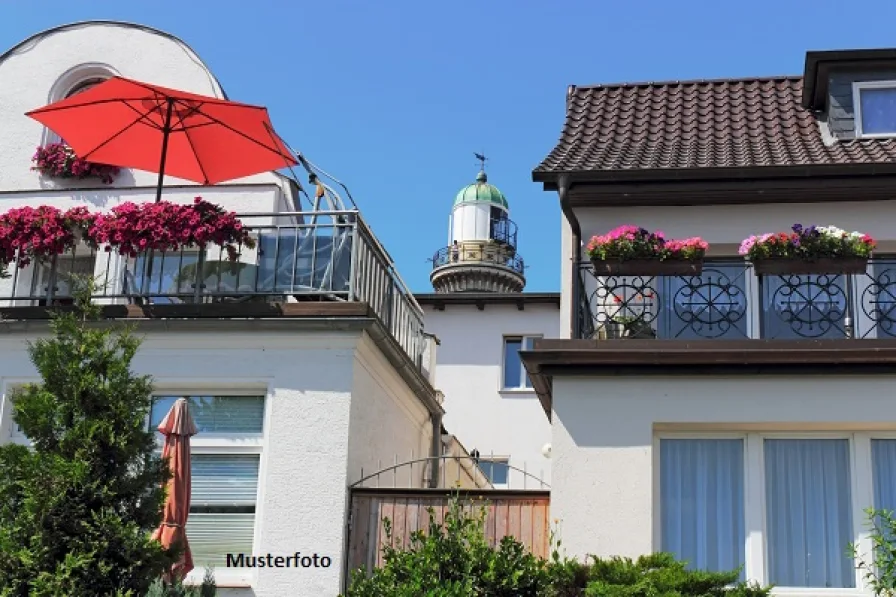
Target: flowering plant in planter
{"points": [[164, 226], [809, 249], [638, 246], [39, 233], [59, 161]]}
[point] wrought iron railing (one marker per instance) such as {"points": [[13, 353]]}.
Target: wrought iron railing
{"points": [[485, 252], [298, 256], [503, 230], [728, 301]]}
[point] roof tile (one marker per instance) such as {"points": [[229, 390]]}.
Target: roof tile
{"points": [[699, 124]]}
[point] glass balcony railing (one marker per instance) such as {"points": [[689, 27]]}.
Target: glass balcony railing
{"points": [[297, 257], [728, 301]]}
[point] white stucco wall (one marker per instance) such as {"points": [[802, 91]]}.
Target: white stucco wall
{"points": [[311, 380], [604, 472], [469, 372], [35, 74], [389, 424]]}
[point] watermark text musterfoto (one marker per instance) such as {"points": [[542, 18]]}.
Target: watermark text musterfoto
{"points": [[296, 560]]}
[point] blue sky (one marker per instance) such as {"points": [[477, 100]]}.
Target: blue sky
{"points": [[394, 96]]}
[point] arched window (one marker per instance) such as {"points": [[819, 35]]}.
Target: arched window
{"points": [[84, 85]]}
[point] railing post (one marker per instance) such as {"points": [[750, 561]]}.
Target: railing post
{"points": [[353, 266]]}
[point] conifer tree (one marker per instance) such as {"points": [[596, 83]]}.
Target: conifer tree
{"points": [[78, 507]]}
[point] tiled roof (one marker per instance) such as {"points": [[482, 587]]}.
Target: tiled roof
{"points": [[732, 123]]}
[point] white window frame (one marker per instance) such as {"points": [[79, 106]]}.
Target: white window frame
{"points": [[857, 88], [522, 387], [227, 443], [755, 551], [505, 460]]}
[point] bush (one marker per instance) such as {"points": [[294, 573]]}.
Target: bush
{"points": [[879, 567], [454, 560], [76, 511], [161, 588]]}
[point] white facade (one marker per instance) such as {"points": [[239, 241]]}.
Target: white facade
{"points": [[501, 422], [606, 440], [333, 403]]}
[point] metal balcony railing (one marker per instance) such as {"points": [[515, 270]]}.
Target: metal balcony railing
{"points": [[503, 230], [728, 301], [330, 256], [487, 253]]}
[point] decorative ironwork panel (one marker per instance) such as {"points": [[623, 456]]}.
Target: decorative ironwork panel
{"points": [[817, 306], [878, 300], [711, 305]]}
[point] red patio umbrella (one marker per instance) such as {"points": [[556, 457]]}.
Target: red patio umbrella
{"points": [[177, 427], [131, 124]]}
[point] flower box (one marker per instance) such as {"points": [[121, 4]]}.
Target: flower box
{"points": [[634, 251], [647, 267], [801, 267], [809, 250]]}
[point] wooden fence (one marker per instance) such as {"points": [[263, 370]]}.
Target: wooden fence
{"points": [[523, 515]]}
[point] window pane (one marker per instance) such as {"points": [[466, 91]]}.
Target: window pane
{"points": [[213, 536], [222, 506], [804, 306], [808, 513], [702, 502], [512, 364], [711, 305], [496, 470], [883, 459], [216, 414], [170, 274], [223, 480], [878, 110]]}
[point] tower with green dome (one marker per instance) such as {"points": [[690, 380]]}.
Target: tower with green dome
{"points": [[481, 254]]}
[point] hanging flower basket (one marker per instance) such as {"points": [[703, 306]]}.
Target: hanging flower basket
{"points": [[58, 160], [812, 250], [633, 251], [134, 228], [39, 233]]}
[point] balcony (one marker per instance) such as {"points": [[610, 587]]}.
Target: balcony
{"points": [[503, 231], [728, 301], [474, 253], [299, 257]]}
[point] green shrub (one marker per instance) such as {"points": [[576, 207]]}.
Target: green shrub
{"points": [[160, 588], [879, 567], [77, 510], [453, 559]]}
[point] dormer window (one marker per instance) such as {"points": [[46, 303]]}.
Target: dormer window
{"points": [[875, 108]]}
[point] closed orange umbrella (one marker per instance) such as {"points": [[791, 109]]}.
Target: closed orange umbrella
{"points": [[177, 427]]}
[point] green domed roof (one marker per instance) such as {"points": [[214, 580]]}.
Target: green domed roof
{"points": [[481, 191]]}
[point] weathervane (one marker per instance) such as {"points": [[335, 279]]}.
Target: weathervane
{"points": [[482, 160]]}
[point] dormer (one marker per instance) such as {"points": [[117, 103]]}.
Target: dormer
{"points": [[852, 92]]}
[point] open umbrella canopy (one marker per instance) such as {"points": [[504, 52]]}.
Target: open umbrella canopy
{"points": [[177, 427], [131, 124]]}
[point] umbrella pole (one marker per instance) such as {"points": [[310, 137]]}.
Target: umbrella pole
{"points": [[166, 131]]}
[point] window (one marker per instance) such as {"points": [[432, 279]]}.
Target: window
{"points": [[225, 469], [496, 470], [875, 108], [515, 376], [797, 494], [84, 85], [702, 501], [69, 267], [172, 276]]}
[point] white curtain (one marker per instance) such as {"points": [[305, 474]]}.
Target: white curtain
{"points": [[883, 457], [702, 502], [808, 513]]}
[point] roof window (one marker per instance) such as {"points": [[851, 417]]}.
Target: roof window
{"points": [[875, 108]]}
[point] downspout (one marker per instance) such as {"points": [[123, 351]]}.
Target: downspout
{"points": [[562, 191], [435, 449]]}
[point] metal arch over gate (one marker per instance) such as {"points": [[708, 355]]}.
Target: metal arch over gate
{"points": [[451, 472]]}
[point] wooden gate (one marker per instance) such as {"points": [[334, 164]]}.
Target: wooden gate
{"points": [[522, 514]]}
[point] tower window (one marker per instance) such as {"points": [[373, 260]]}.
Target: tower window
{"points": [[875, 108]]}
